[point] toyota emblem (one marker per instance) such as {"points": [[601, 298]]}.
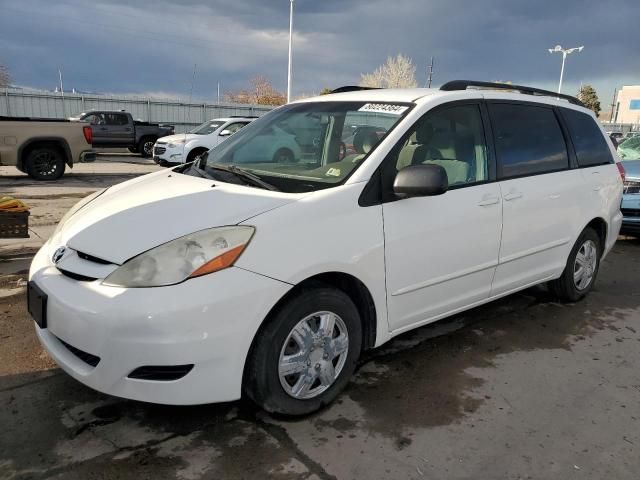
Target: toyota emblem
{"points": [[58, 254]]}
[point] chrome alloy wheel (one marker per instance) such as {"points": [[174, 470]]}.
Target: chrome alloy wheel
{"points": [[313, 355], [148, 147], [585, 265]]}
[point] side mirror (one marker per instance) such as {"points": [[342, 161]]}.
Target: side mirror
{"points": [[224, 133], [421, 181]]}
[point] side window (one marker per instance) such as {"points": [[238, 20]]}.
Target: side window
{"points": [[234, 127], [116, 119], [453, 138], [591, 147], [528, 140]]}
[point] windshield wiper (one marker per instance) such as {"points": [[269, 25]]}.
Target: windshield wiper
{"points": [[202, 172], [241, 173]]}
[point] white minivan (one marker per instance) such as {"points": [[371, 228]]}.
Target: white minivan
{"points": [[269, 278]]}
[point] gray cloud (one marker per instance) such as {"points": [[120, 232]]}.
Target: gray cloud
{"points": [[143, 46]]}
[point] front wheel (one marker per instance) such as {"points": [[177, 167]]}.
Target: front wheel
{"points": [[581, 270], [306, 353]]}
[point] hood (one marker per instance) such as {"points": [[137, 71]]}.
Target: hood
{"points": [[631, 169], [178, 136], [148, 211]]}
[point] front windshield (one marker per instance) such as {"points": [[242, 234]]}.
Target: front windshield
{"points": [[308, 146], [207, 127]]}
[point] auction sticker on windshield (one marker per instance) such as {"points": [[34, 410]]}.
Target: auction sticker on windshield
{"points": [[383, 108]]}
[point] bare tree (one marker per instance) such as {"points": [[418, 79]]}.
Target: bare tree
{"points": [[260, 92], [5, 78], [396, 72]]}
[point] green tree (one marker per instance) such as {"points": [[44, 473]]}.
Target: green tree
{"points": [[589, 97], [325, 91]]}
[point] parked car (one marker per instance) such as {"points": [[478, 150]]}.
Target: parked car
{"points": [[42, 147], [629, 149], [238, 274], [186, 147], [119, 130], [631, 198]]}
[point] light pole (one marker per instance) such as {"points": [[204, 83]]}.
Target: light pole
{"points": [[565, 52], [290, 53]]}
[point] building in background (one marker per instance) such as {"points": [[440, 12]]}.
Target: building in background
{"points": [[628, 105]]}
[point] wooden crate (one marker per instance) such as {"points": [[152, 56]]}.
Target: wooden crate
{"points": [[14, 225]]}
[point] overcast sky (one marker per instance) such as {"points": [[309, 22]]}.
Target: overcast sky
{"points": [[151, 46]]}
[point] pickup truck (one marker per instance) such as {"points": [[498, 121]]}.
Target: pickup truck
{"points": [[118, 129], [42, 147]]}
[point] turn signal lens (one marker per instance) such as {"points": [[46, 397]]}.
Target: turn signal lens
{"points": [[621, 170]]}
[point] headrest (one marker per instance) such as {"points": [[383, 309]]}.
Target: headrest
{"points": [[424, 133], [364, 141]]}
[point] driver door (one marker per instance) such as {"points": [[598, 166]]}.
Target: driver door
{"points": [[441, 251]]}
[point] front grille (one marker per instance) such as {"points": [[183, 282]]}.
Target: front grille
{"points": [[628, 212], [87, 358], [76, 276], [159, 150], [631, 187], [91, 258], [163, 373]]}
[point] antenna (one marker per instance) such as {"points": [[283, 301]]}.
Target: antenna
{"points": [[430, 74]]}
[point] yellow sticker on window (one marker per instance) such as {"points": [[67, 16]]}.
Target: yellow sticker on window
{"points": [[333, 172]]}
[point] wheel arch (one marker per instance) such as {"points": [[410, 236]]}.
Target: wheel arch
{"points": [[351, 286], [35, 142], [601, 227]]}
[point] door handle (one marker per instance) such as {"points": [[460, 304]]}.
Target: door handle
{"points": [[488, 200], [512, 196]]}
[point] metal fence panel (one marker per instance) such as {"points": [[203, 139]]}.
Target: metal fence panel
{"points": [[184, 115]]}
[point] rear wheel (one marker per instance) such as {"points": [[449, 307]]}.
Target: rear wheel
{"points": [[306, 353], [581, 270], [145, 146], [45, 163]]}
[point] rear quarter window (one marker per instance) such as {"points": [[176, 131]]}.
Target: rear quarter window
{"points": [[588, 141], [528, 139]]}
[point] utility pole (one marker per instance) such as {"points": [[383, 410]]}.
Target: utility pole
{"points": [[218, 93], [430, 74], [290, 52], [613, 104]]}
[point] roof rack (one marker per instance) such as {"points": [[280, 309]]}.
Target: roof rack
{"points": [[463, 84], [352, 88]]}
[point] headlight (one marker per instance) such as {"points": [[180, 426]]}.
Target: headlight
{"points": [[176, 143], [193, 255], [77, 207]]}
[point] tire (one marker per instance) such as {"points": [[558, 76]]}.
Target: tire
{"points": [[45, 163], [283, 155], [145, 146], [263, 383], [133, 149], [571, 286], [195, 153]]}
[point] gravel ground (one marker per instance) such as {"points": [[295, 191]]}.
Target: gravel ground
{"points": [[522, 388]]}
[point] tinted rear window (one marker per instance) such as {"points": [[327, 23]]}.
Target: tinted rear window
{"points": [[528, 140], [591, 147]]}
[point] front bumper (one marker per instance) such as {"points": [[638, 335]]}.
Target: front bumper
{"points": [[208, 321], [165, 156]]}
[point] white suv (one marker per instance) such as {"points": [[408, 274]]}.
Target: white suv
{"points": [[186, 147], [270, 276]]}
